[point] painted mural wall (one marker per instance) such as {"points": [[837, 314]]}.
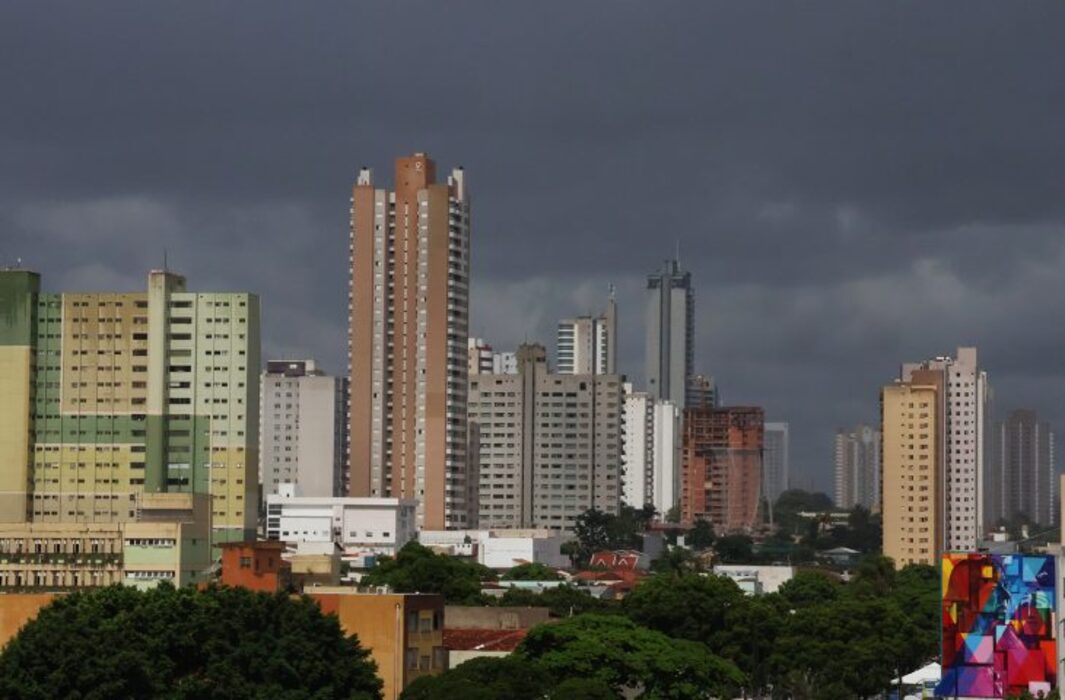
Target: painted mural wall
{"points": [[999, 625]]}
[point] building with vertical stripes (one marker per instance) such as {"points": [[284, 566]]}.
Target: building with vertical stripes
{"points": [[407, 353]]}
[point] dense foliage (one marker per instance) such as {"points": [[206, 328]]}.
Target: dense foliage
{"points": [[596, 657], [597, 530], [418, 569], [532, 571], [221, 643]]}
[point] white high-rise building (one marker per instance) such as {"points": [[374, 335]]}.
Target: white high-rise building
{"points": [[586, 344], [964, 403], [667, 449], [651, 452], [302, 440], [775, 460], [858, 468], [638, 449]]}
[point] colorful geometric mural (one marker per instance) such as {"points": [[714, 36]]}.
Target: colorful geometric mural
{"points": [[999, 625]]}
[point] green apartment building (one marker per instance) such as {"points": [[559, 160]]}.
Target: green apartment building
{"points": [[107, 395]]}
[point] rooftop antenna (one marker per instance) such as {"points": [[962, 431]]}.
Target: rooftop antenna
{"points": [[165, 267], [678, 253]]}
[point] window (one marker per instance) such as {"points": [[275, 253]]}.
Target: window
{"points": [[245, 562]]}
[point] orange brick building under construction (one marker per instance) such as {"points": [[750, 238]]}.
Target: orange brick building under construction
{"points": [[721, 468]]}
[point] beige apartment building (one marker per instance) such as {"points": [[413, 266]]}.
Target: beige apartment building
{"points": [[911, 471], [407, 351], [550, 445]]}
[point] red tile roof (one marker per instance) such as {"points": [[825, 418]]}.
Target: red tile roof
{"points": [[459, 639]]}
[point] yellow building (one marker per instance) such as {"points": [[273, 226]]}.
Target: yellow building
{"points": [[108, 395], [403, 631], [169, 541], [911, 472]]}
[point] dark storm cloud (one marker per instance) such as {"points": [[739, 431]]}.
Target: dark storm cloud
{"points": [[853, 184]]}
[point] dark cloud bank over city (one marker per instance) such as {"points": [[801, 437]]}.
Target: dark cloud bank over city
{"points": [[852, 184]]}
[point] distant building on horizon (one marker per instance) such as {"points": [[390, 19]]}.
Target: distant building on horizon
{"points": [[303, 437], [857, 472], [670, 327], [775, 461], [550, 444], [721, 469], [1023, 479], [408, 349]]}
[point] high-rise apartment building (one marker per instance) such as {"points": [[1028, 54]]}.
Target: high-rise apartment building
{"points": [[638, 448], [587, 344], [304, 427], [108, 395], [964, 404], [858, 468], [775, 461], [670, 333], [550, 444], [912, 489], [721, 470], [651, 452], [933, 458], [408, 354], [1022, 479]]}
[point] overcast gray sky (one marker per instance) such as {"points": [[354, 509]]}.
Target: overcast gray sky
{"points": [[852, 184]]}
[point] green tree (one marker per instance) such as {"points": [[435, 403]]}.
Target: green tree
{"points": [[484, 679], [220, 643], [677, 560], [562, 601], [735, 549], [630, 658], [689, 606], [809, 588], [417, 569], [794, 501], [533, 571], [701, 536], [583, 689]]}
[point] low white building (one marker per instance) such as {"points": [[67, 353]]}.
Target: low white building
{"points": [[358, 525], [755, 579], [501, 549]]}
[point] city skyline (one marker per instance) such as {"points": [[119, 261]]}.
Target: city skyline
{"points": [[823, 248]]}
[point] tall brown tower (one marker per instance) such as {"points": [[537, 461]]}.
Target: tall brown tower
{"points": [[408, 328]]}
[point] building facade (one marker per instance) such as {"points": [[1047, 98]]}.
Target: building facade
{"points": [[911, 493], [587, 344], [670, 322], [962, 429], [480, 357], [168, 542], [1023, 478], [857, 468], [303, 436], [721, 471], [775, 461], [408, 347], [651, 453], [368, 524], [638, 448], [114, 394], [550, 444]]}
